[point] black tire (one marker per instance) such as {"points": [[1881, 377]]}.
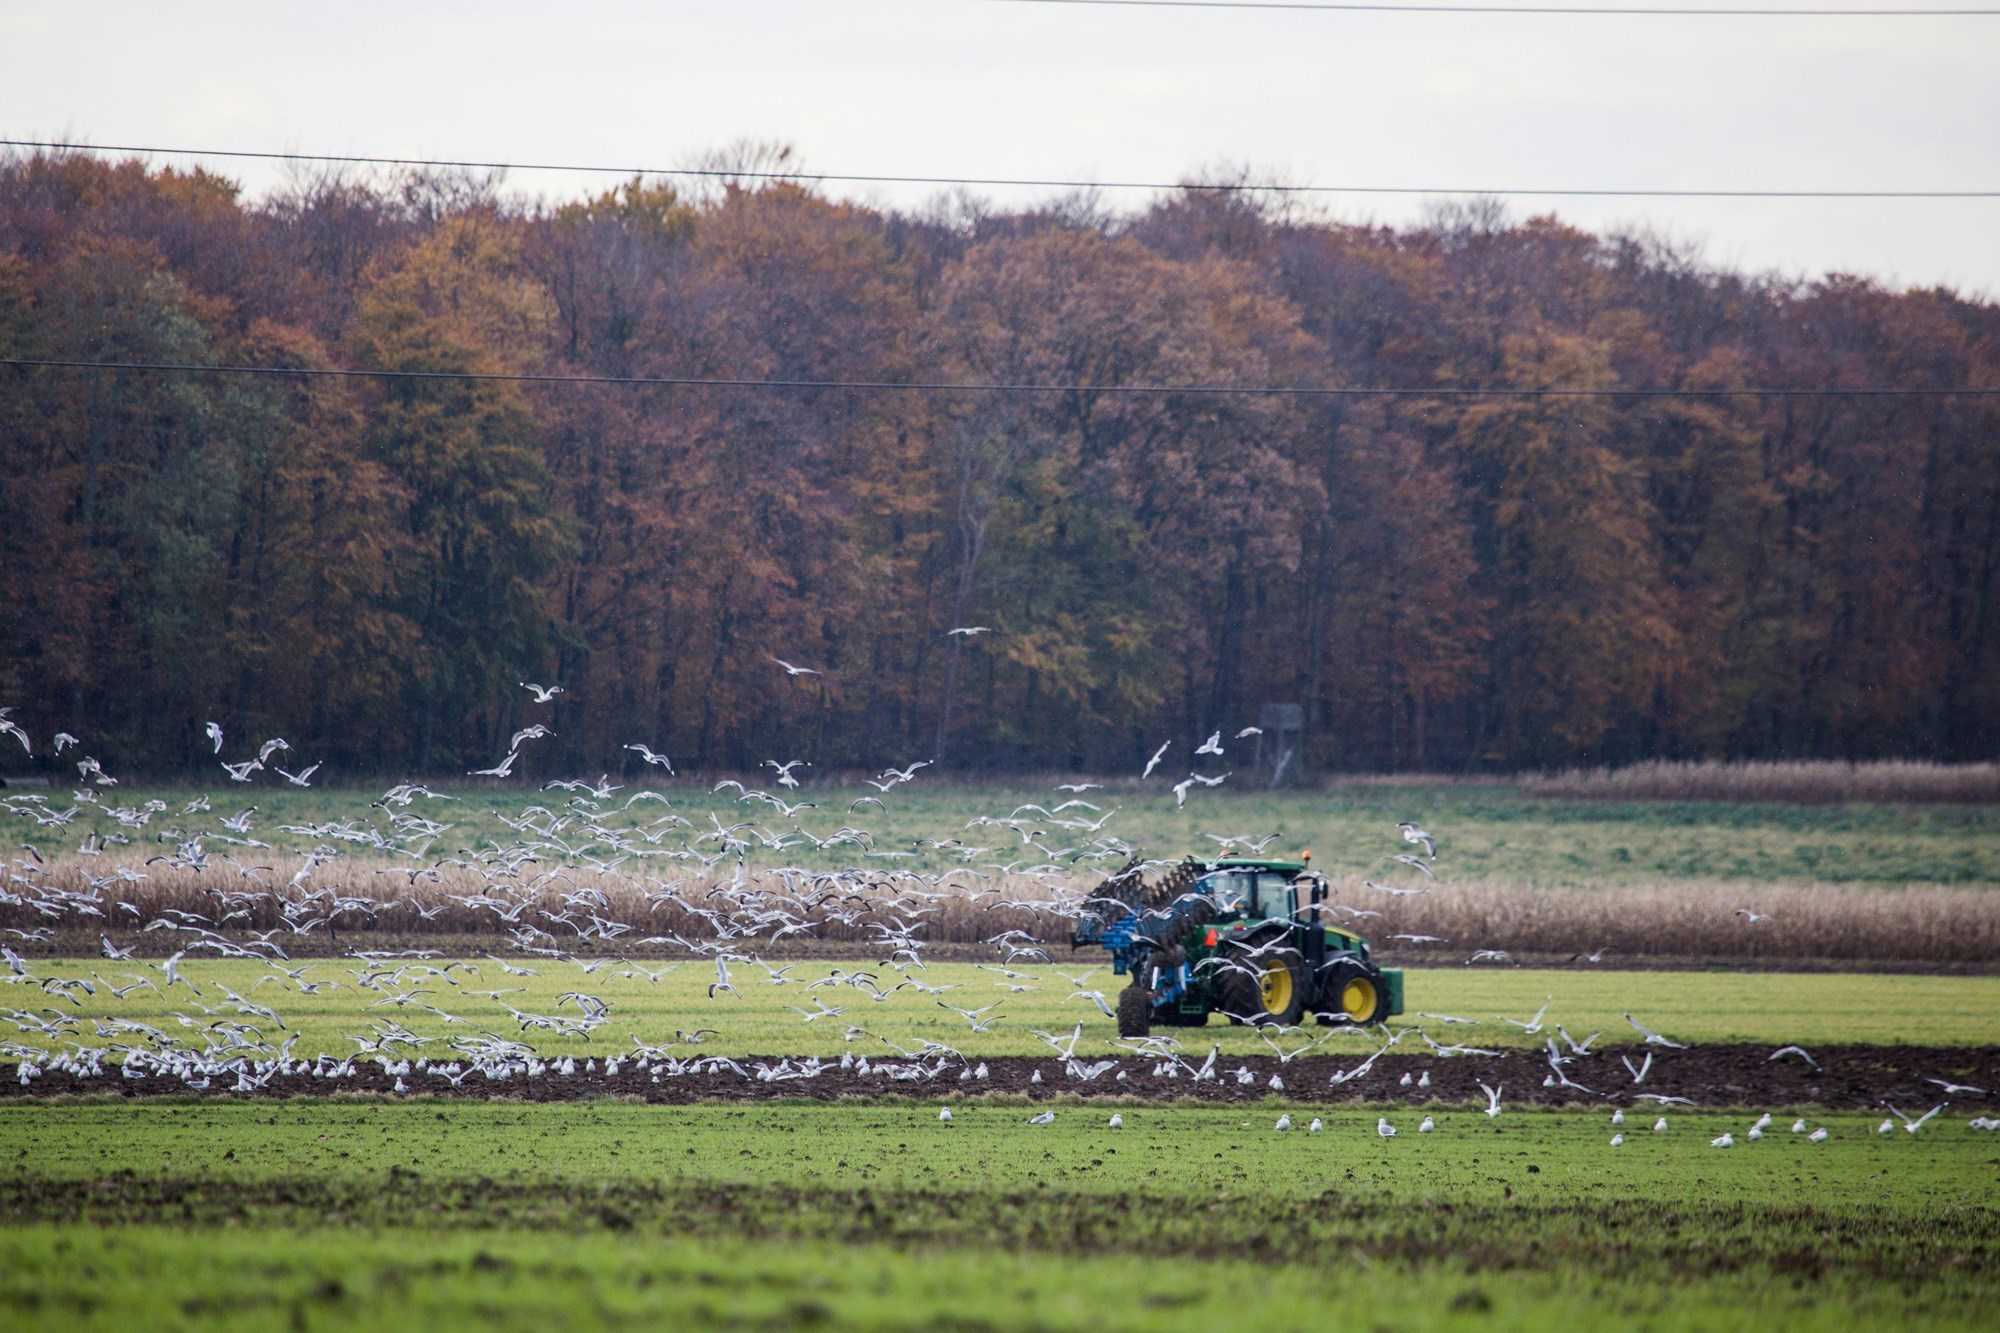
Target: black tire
{"points": [[1366, 1003], [1243, 996], [1135, 1011]]}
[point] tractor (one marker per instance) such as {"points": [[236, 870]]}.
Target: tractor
{"points": [[1231, 937]]}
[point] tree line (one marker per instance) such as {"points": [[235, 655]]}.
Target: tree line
{"points": [[370, 566]]}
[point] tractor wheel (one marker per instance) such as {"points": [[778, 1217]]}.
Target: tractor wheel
{"points": [[1353, 992], [1277, 994], [1135, 1011]]}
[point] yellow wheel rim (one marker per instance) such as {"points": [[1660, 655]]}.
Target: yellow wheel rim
{"points": [[1357, 999], [1276, 988]]}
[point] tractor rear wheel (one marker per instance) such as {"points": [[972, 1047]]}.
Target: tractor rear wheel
{"points": [[1353, 992], [1135, 1011], [1275, 994]]}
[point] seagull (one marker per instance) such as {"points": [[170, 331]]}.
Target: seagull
{"points": [[1751, 918], [63, 738], [1618, 1117], [1045, 1118], [1914, 1125], [1638, 1072], [1117, 1121], [645, 752], [1533, 1025], [214, 730], [969, 631], [1316, 1126], [543, 693], [1660, 1125], [791, 670], [1284, 1123], [1798, 1126], [1653, 1038], [1722, 1141], [1492, 1100], [1617, 1140], [1248, 732], [1213, 745], [1427, 1126], [1953, 1089], [1154, 762], [241, 772], [944, 1114], [1413, 833], [533, 733], [721, 981], [1799, 1051], [784, 771], [1818, 1136], [503, 769], [1383, 1129], [302, 778]]}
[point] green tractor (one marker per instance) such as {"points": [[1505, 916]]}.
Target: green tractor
{"points": [[1231, 937]]}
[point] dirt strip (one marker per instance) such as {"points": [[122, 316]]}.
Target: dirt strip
{"points": [[1847, 1078]]}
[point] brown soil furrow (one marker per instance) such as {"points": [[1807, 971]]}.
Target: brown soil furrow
{"points": [[1711, 1077]]}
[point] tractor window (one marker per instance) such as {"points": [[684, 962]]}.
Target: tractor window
{"points": [[1232, 890], [1272, 895]]}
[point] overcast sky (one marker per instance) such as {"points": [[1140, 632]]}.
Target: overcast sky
{"points": [[975, 88]]}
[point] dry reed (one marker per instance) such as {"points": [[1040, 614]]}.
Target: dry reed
{"points": [[1678, 919], [1805, 782]]}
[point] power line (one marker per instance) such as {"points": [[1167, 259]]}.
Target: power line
{"points": [[993, 386], [1600, 10], [1000, 181]]}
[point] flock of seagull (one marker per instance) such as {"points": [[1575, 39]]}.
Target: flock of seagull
{"points": [[545, 894]]}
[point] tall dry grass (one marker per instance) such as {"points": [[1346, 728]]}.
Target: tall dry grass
{"points": [[1683, 920], [1805, 782]]}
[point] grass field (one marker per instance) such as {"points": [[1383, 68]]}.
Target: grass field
{"points": [[1778, 1008], [1485, 833], [339, 1213]]}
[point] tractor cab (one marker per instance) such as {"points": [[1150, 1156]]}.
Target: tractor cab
{"points": [[1249, 893]]}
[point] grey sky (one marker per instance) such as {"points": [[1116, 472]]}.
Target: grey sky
{"points": [[961, 87]]}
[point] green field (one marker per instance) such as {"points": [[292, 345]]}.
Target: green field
{"points": [[339, 1214], [1778, 1008], [1490, 833]]}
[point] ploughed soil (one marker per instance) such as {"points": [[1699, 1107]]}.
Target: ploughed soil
{"points": [[1714, 1076]]}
